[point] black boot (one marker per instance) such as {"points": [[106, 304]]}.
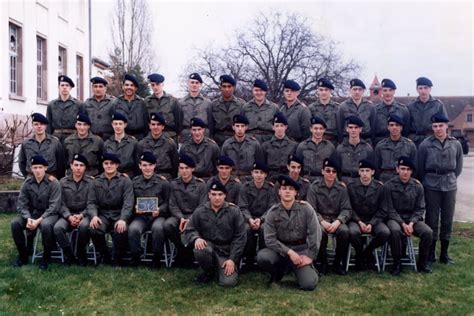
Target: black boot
{"points": [[432, 253], [45, 259], [443, 257], [22, 259], [135, 260], [422, 265], [82, 258], [204, 277], [397, 267], [68, 256]]}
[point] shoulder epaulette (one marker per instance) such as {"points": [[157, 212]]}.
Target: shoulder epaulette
{"points": [[89, 177], [379, 182], [132, 137], [343, 184], [54, 137], [211, 140], [232, 204], [237, 180], [253, 138], [417, 181], [200, 180], [162, 177], [305, 180], [302, 202], [271, 184]]}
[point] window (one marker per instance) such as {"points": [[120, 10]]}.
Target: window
{"points": [[41, 69], [16, 54], [62, 61], [80, 77], [469, 118]]}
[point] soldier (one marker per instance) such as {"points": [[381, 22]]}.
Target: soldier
{"points": [[75, 190], [260, 112], [187, 193], [133, 107], [217, 232], [255, 198], [326, 109], [149, 185], [440, 160], [194, 105], [389, 149], [352, 150], [203, 150], [41, 143], [163, 147], [85, 143], [223, 110], [110, 207], [385, 108], [404, 205], [99, 109], [38, 205], [292, 236], [224, 176], [329, 198], [356, 105], [166, 105], [297, 113], [123, 145], [366, 197], [242, 149], [315, 149], [61, 112], [421, 111]]}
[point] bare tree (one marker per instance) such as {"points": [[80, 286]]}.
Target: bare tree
{"points": [[275, 48], [13, 132]]}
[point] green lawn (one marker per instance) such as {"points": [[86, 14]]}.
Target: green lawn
{"points": [[106, 290]]}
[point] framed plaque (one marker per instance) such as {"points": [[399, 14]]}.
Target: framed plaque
{"points": [[147, 204]]}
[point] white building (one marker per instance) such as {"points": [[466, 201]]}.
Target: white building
{"points": [[41, 39]]}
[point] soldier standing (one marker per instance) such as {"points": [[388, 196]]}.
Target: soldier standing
{"points": [[99, 109], [297, 113], [224, 176]]}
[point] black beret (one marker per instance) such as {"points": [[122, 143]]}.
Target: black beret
{"points": [[80, 158], [227, 79], [217, 186], [366, 163], [157, 117], [439, 118], [392, 117], [260, 84], [225, 161], [318, 120], [353, 119], [187, 160], [407, 162], [260, 165], [291, 84], [156, 78], [240, 119], [112, 157], [387, 83], [131, 78], [101, 80], [195, 76], [64, 78], [331, 163], [40, 118], [295, 158], [325, 83], [83, 117], [196, 121], [117, 116], [357, 83], [38, 160], [280, 118], [423, 81], [148, 156], [285, 180]]}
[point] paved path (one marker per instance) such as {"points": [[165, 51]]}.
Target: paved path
{"points": [[465, 197]]}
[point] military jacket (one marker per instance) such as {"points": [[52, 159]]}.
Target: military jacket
{"points": [[350, 155], [255, 202], [186, 197], [165, 150], [328, 113], [276, 152], [420, 117], [62, 114], [50, 148], [136, 113], [204, 154], [260, 118], [156, 186], [299, 120], [314, 155], [244, 154], [232, 187], [382, 111], [365, 111], [302, 192], [92, 147], [100, 114], [39, 199], [403, 202], [366, 201], [126, 150], [332, 203], [75, 195], [168, 107], [199, 107], [386, 156], [223, 112]]}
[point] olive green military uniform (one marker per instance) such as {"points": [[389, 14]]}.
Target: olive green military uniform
{"points": [[386, 156], [136, 113], [302, 192], [260, 119], [244, 154], [62, 117], [127, 151], [382, 112], [297, 229], [232, 187], [204, 154], [100, 114], [166, 152], [299, 120], [50, 148], [314, 155], [275, 153], [199, 107], [169, 108], [328, 112], [349, 156], [365, 111], [91, 147], [222, 114]]}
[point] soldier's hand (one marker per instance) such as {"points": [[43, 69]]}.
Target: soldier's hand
{"points": [[95, 222], [326, 225], [406, 229], [200, 244], [410, 228], [155, 213], [369, 228], [229, 267], [29, 223], [305, 260], [182, 224], [363, 227], [294, 257], [120, 226], [258, 223]]}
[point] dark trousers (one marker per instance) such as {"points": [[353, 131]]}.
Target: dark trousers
{"points": [[62, 227], [209, 260], [18, 226], [251, 245], [420, 230], [120, 241], [342, 245], [140, 225], [380, 233], [440, 206]]}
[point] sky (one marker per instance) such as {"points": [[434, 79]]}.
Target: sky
{"points": [[400, 40]]}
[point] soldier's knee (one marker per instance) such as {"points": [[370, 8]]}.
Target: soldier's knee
{"points": [[309, 281], [343, 231], [383, 233], [229, 281], [203, 254], [16, 224], [59, 229]]}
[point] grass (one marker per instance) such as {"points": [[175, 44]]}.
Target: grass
{"points": [[106, 290]]}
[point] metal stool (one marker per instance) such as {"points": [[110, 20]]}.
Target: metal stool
{"points": [[55, 254], [169, 250], [378, 253], [406, 261]]}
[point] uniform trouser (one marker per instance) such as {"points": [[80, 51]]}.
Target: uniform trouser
{"points": [[62, 226], [342, 245], [420, 230], [171, 229], [209, 260], [440, 204], [380, 233], [251, 245], [270, 261], [120, 241], [140, 225], [18, 225]]}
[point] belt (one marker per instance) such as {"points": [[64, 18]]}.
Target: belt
{"points": [[259, 132], [239, 173], [438, 171], [313, 174], [390, 171], [294, 242], [64, 130], [169, 170], [203, 174], [350, 174], [329, 137], [283, 170]]}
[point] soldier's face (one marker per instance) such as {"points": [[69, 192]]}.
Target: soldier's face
{"points": [[197, 133], [64, 88], [147, 168], [119, 126], [353, 130], [224, 171], [287, 193], [366, 174], [239, 129], [129, 88], [216, 198], [194, 86], [99, 90], [317, 130], [258, 94], [78, 168], [227, 90], [157, 88], [38, 171], [357, 93], [424, 92], [290, 95], [39, 128], [329, 174], [185, 172], [440, 129], [394, 129], [404, 173], [279, 129], [258, 176], [110, 167], [388, 94], [156, 128], [82, 128], [324, 93], [294, 169]]}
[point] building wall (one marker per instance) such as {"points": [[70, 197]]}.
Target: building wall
{"points": [[461, 123]]}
